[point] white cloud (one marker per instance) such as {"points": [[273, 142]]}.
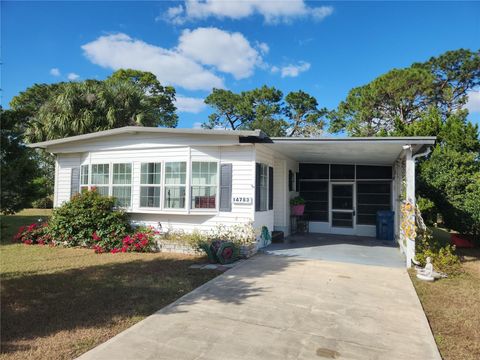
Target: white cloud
{"points": [[272, 11], [72, 76], [118, 51], [55, 72], [189, 104], [292, 70], [473, 104], [263, 47], [228, 52], [197, 125]]}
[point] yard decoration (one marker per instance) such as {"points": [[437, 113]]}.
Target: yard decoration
{"points": [[265, 236], [224, 252]]}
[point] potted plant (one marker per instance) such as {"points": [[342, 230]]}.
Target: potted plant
{"points": [[298, 205]]}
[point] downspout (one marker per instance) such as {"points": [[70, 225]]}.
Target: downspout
{"points": [[425, 153]]}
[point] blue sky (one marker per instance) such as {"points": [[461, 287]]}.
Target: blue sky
{"points": [[323, 48]]}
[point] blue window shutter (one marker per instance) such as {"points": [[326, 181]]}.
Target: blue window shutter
{"points": [[226, 187], [75, 181], [270, 188]]}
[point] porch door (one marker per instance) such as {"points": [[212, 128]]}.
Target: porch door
{"points": [[342, 219]]}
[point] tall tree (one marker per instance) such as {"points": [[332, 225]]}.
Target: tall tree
{"points": [[66, 109], [17, 167], [160, 97], [231, 111], [401, 96], [455, 72], [305, 119], [264, 108]]}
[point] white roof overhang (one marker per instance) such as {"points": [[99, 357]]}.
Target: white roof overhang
{"points": [[371, 150]]}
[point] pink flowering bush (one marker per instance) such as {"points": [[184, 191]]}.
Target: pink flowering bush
{"points": [[142, 240], [33, 234]]}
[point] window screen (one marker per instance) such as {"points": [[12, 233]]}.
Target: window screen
{"points": [[374, 172], [314, 171], [372, 197], [342, 172], [315, 194]]}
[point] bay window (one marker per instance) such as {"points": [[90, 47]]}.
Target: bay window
{"points": [[204, 185], [100, 178], [122, 184], [150, 184], [175, 182]]}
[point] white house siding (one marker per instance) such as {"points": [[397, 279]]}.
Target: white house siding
{"points": [[282, 195], [63, 178], [241, 156], [264, 155]]}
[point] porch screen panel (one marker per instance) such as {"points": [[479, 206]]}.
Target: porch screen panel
{"points": [[368, 172], [342, 172], [372, 196], [314, 171], [315, 193]]}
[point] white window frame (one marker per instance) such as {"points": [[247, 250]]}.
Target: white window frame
{"points": [[112, 185], [185, 185], [82, 184], [108, 185], [159, 186], [217, 186]]}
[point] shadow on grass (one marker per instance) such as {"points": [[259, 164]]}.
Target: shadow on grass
{"points": [[41, 305]]}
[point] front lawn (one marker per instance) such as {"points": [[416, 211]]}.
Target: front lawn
{"points": [[57, 303], [452, 307]]}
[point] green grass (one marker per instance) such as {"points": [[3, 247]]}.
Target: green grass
{"points": [[452, 305], [57, 303], [11, 223]]}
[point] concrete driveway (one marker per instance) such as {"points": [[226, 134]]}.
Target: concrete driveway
{"points": [[279, 307], [341, 248]]}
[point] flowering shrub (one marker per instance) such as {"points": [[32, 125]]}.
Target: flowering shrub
{"points": [[75, 222], [240, 234], [36, 233], [143, 240], [194, 239]]}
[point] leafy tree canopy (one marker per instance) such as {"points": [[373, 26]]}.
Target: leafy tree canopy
{"points": [[128, 97], [265, 109], [18, 169], [401, 96]]}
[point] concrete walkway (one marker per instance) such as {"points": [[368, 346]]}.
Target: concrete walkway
{"points": [[279, 307]]}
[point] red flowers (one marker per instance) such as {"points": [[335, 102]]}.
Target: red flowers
{"points": [[138, 242], [98, 249], [32, 234]]}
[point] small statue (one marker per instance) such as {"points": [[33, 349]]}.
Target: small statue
{"points": [[427, 273]]}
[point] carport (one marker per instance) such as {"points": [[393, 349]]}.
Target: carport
{"points": [[346, 181]]}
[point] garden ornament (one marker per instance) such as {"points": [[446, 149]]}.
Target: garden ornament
{"points": [[427, 273]]}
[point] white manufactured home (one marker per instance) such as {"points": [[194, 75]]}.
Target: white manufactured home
{"points": [[196, 179]]}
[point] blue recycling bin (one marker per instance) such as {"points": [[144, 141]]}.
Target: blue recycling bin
{"points": [[385, 225]]}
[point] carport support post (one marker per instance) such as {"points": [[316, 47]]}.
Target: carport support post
{"points": [[410, 196]]}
